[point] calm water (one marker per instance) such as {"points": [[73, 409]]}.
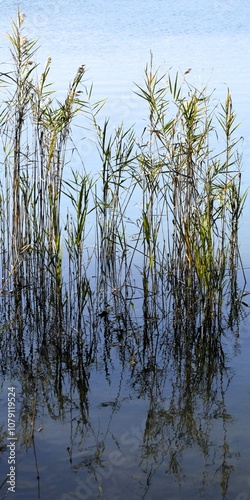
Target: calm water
{"points": [[112, 422]]}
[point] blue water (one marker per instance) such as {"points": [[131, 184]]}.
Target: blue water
{"points": [[111, 458]]}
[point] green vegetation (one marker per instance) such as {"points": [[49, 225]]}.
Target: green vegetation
{"points": [[180, 252]]}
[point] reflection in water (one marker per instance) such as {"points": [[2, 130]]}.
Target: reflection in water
{"points": [[170, 357]]}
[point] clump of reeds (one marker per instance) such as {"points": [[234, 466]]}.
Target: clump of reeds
{"points": [[166, 205], [191, 190], [35, 131]]}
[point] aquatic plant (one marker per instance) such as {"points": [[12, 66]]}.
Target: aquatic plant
{"points": [[197, 189], [164, 208]]}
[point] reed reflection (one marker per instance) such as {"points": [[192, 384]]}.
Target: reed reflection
{"points": [[170, 360]]}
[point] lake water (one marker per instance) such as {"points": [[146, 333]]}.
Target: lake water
{"points": [[112, 422]]}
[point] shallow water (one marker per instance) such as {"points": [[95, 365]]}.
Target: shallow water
{"points": [[119, 419]]}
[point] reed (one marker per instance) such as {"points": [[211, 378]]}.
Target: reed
{"points": [[34, 134], [112, 200], [165, 206], [196, 188]]}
